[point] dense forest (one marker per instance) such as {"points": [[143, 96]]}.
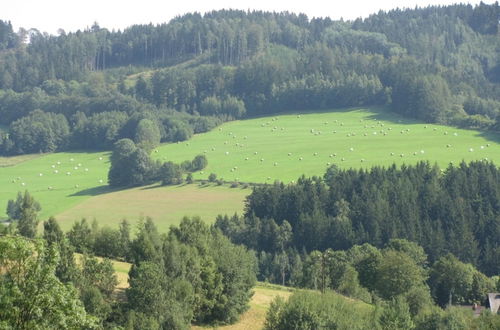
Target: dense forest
{"points": [[92, 87]]}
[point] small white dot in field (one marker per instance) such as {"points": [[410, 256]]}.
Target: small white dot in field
{"points": [[68, 173], [362, 160], [375, 133], [23, 184], [445, 133], [246, 158], [334, 132], [58, 163], [75, 168], [482, 147], [415, 153], [79, 165], [289, 154], [343, 159], [315, 154], [50, 188], [300, 158], [471, 150], [402, 155], [227, 152], [255, 153], [456, 134], [448, 146], [213, 149], [275, 164], [40, 174], [331, 156], [100, 158], [76, 186], [486, 158], [100, 181], [86, 170], [53, 166], [421, 151], [392, 154], [351, 149], [262, 159], [327, 164], [487, 144], [56, 171], [71, 159]]}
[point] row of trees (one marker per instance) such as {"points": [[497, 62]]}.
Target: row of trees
{"points": [[436, 64], [47, 132], [193, 274]]}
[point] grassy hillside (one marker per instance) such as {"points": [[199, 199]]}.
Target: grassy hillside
{"points": [[58, 181], [287, 146], [255, 150], [166, 205]]}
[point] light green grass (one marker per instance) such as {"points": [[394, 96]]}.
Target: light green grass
{"points": [[166, 205], [241, 139], [67, 190], [273, 138]]}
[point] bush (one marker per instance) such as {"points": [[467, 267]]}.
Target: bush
{"points": [[212, 177]]}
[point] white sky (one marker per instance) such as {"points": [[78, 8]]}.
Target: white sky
{"points": [[71, 15]]}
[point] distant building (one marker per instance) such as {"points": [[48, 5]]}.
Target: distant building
{"points": [[493, 302]]}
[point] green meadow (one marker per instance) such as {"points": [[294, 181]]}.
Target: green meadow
{"points": [[166, 205], [72, 185], [58, 181], [286, 146]]}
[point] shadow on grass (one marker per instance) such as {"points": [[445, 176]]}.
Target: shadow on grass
{"points": [[491, 136], [95, 191]]}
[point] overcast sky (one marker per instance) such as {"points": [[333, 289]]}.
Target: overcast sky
{"points": [[71, 15]]}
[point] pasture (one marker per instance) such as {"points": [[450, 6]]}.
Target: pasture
{"points": [[256, 150], [166, 205], [58, 181], [284, 147]]}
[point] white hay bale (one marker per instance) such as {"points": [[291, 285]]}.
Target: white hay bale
{"points": [[40, 174]]}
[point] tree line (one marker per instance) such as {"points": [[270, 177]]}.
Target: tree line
{"points": [[437, 64]]}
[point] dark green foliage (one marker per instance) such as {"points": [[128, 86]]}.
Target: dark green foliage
{"points": [[39, 132], [458, 283], [80, 236], [396, 315], [23, 211], [130, 165], [66, 268], [454, 211], [199, 162], [170, 173], [31, 296], [434, 63]]}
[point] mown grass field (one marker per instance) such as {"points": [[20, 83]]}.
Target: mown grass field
{"points": [[256, 150], [166, 205], [286, 146], [58, 181]]}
